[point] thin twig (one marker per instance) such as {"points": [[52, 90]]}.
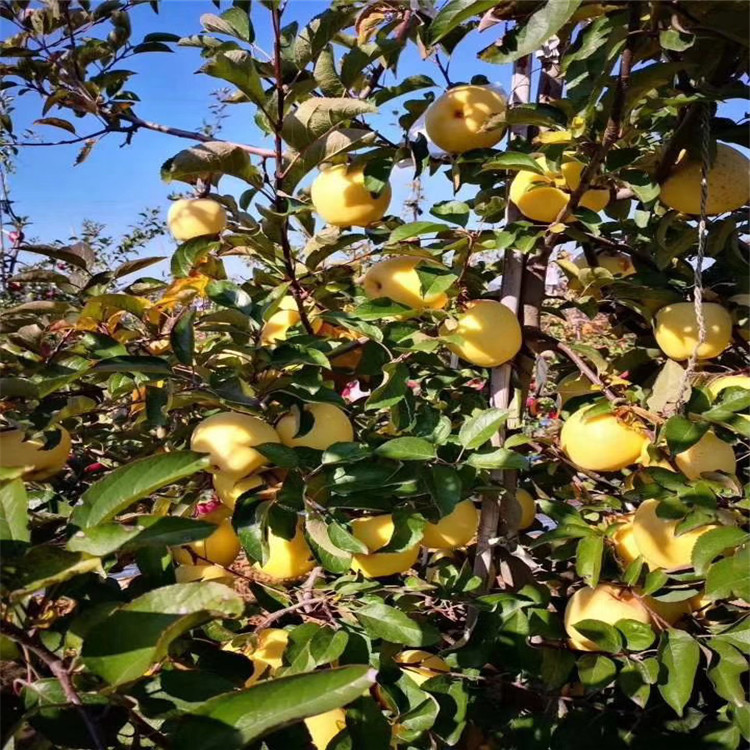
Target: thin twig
{"points": [[309, 585], [279, 613], [58, 669]]}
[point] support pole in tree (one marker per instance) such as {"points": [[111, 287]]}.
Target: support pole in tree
{"points": [[501, 388]]}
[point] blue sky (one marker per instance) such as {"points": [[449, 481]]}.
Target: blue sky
{"points": [[115, 183]]}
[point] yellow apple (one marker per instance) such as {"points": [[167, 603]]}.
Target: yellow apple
{"points": [[188, 218], [220, 548], [728, 186], [710, 453], [455, 120], [376, 532], [39, 463], [601, 443], [229, 439], [541, 197], [676, 330], [528, 508], [455, 530], [230, 490], [287, 558], [189, 573], [670, 612], [339, 195], [397, 279], [329, 425], [286, 316], [489, 333], [268, 654], [658, 542], [421, 665], [324, 727], [606, 603], [623, 539]]}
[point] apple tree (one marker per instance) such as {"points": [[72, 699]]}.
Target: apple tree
{"points": [[463, 473]]}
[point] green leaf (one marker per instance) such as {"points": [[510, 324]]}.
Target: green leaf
{"points": [[44, 566], [675, 40], [502, 458], [377, 309], [725, 675], [233, 22], [393, 388], [280, 455], [148, 531], [190, 252], [679, 656], [654, 581], [596, 671], [513, 160], [455, 211], [395, 626], [434, 279], [444, 486], [14, 513], [208, 160], [318, 530], [125, 485], [229, 294], [130, 364], [453, 14], [730, 577], [122, 646], [714, 543], [348, 452], [529, 36], [416, 229], [57, 122], [407, 531], [182, 338], [234, 720], [604, 635], [480, 428], [317, 116], [407, 449], [681, 433], [589, 558], [638, 635], [634, 682], [238, 68]]}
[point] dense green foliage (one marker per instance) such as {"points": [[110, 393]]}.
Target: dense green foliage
{"points": [[102, 648]]}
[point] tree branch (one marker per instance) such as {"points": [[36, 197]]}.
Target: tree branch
{"points": [[280, 202], [58, 669]]}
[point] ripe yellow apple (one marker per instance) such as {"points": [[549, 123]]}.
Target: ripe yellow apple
{"points": [[220, 548], [229, 490], [455, 120], [605, 603], [190, 573], [287, 558], [728, 186], [268, 654], [330, 425], [601, 443], [39, 463], [528, 508], [657, 541], [397, 279], [575, 385], [455, 530], [324, 727], [188, 218], [421, 665], [710, 453], [623, 539], [286, 316], [676, 330], [339, 195], [670, 612], [376, 532], [489, 331], [541, 197], [716, 386], [229, 437]]}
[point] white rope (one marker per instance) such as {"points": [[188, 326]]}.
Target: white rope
{"points": [[705, 127]]}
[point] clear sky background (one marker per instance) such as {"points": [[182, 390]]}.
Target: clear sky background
{"points": [[115, 183]]}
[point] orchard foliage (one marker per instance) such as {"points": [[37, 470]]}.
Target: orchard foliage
{"points": [[108, 642]]}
